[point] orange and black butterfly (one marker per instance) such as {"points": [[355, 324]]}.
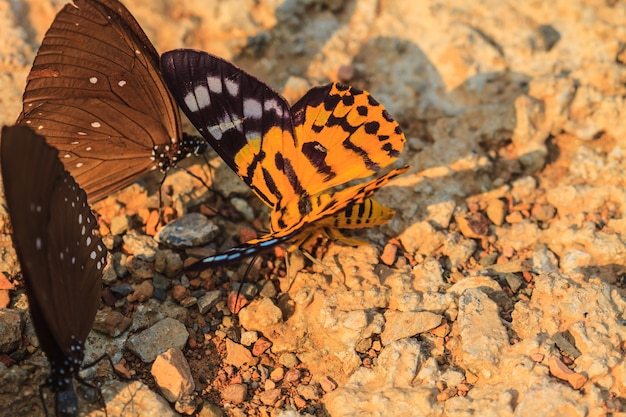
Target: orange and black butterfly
{"points": [[292, 158]]}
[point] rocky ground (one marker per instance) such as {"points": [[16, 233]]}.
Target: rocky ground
{"points": [[498, 289]]}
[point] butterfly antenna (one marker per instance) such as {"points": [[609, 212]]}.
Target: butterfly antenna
{"points": [[287, 268], [211, 171], [161, 220]]}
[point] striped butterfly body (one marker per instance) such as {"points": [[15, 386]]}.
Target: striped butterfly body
{"points": [[60, 251], [96, 94], [292, 158]]}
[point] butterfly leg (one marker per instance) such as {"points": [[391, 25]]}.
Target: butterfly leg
{"points": [[321, 264], [236, 306]]}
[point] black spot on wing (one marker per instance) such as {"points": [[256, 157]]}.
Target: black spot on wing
{"points": [[284, 165], [317, 128], [371, 128], [316, 153], [347, 100], [371, 165], [387, 147]]}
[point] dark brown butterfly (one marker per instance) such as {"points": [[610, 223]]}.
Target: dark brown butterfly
{"points": [[59, 248], [95, 92]]}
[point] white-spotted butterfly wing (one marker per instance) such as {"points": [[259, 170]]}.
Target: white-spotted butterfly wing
{"points": [[60, 251], [96, 94]]}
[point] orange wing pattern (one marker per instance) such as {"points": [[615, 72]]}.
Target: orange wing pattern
{"points": [[292, 158]]}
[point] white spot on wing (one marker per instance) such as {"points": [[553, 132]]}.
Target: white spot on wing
{"points": [[38, 243], [121, 83], [198, 99], [215, 131], [215, 84], [273, 105], [252, 108], [93, 80], [232, 87], [95, 124]]}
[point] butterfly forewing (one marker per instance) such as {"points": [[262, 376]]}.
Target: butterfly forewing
{"points": [[56, 238], [96, 66], [245, 121], [91, 141]]}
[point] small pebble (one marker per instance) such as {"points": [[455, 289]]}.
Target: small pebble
{"points": [[328, 384], [292, 376], [270, 397], [260, 346], [238, 355], [473, 225], [514, 217], [246, 234], [388, 256], [179, 292], [208, 301], [309, 392], [248, 338], [141, 246], [299, 401], [188, 301], [120, 224], [496, 210], [543, 212], [142, 292], [277, 374], [288, 360], [193, 229], [138, 268], [243, 207], [235, 393]]}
